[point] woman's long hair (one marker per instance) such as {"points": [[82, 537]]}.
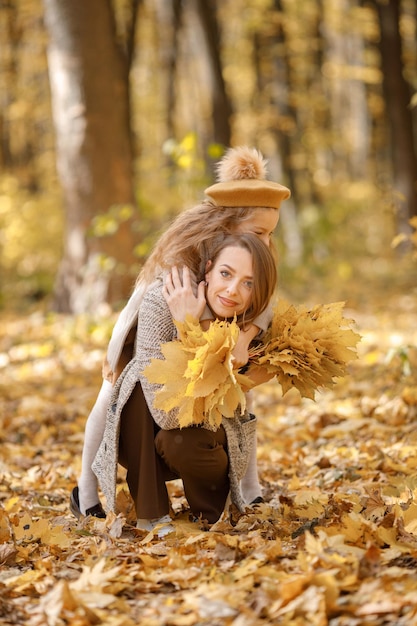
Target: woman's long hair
{"points": [[185, 241], [263, 267]]}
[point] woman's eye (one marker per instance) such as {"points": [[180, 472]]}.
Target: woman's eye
{"points": [[224, 273], [248, 284]]}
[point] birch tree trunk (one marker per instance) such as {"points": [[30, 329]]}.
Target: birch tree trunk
{"points": [[90, 100]]}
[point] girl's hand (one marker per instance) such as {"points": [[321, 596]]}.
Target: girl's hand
{"points": [[180, 297]]}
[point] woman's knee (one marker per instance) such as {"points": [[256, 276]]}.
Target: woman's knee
{"points": [[193, 450]]}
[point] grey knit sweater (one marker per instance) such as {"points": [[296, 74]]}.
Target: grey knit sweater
{"points": [[155, 327]]}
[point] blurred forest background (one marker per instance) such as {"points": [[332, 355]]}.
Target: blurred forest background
{"points": [[113, 113], [112, 116]]}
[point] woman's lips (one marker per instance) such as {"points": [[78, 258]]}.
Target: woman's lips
{"points": [[227, 303]]}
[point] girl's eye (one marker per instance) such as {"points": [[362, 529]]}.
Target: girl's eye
{"points": [[248, 284], [224, 273]]}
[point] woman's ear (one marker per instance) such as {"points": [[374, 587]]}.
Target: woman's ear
{"points": [[208, 266]]}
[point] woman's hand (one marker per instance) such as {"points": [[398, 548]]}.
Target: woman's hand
{"points": [[180, 297], [258, 375], [240, 354], [241, 349]]}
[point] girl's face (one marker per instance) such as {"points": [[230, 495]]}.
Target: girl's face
{"points": [[229, 282], [262, 223]]}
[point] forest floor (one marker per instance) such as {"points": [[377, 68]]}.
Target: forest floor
{"points": [[335, 543]]}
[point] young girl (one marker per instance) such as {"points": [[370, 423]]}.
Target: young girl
{"points": [[243, 201], [239, 279]]}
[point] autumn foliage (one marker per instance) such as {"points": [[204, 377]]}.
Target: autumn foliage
{"points": [[197, 374], [335, 542], [305, 348]]}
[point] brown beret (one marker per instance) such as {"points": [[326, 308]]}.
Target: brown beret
{"points": [[248, 193]]}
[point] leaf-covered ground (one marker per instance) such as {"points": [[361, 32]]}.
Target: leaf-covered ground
{"points": [[335, 543]]}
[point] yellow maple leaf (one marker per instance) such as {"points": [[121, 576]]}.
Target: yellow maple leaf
{"points": [[197, 374]]}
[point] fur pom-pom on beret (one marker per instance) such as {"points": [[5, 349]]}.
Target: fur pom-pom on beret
{"points": [[242, 181], [241, 163]]}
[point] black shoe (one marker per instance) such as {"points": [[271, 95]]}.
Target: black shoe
{"points": [[258, 500], [95, 511]]}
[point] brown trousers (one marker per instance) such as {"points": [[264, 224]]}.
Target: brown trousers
{"points": [[199, 457], [153, 456]]}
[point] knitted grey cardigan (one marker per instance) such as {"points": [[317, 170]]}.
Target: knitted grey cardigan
{"points": [[155, 327]]}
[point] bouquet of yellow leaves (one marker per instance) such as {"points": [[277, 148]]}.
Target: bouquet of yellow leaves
{"points": [[307, 348], [304, 349], [197, 374]]}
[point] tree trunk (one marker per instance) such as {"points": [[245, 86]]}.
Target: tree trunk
{"points": [[170, 30], [222, 107], [397, 97], [90, 100]]}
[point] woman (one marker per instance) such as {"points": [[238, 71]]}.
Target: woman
{"points": [[242, 201], [239, 280]]}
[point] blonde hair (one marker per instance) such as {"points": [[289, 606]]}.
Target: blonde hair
{"points": [[185, 241], [263, 267]]}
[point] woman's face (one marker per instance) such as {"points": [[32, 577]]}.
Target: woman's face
{"points": [[262, 223], [229, 282]]}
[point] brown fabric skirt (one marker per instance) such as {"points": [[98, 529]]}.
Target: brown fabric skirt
{"points": [[153, 456]]}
